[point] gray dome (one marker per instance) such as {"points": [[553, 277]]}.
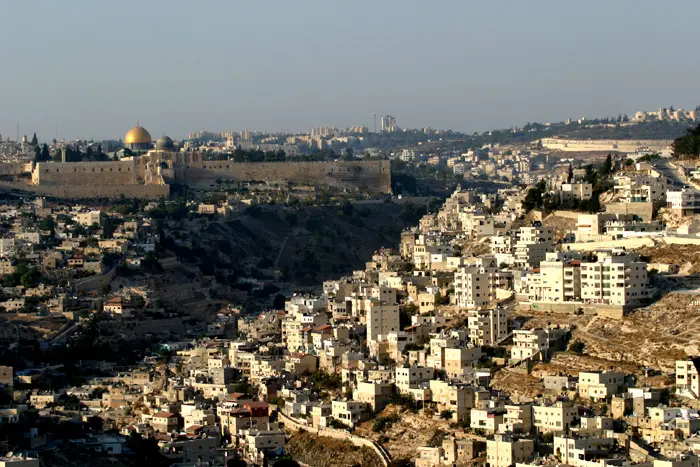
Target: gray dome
{"points": [[164, 142]]}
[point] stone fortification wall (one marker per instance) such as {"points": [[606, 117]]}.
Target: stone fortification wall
{"points": [[131, 177], [92, 191], [15, 168], [622, 145], [372, 176], [86, 173]]}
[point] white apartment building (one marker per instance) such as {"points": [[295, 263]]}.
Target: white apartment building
{"points": [[505, 451], [599, 385], [615, 279], [685, 202], [414, 377], [502, 248], [476, 225], [347, 412], [487, 419], [687, 382], [438, 344], [517, 419], [558, 279], [476, 284], [623, 229], [487, 327], [554, 418], [577, 191], [382, 318], [533, 245], [460, 361], [528, 343], [90, 218], [577, 452], [457, 398]]}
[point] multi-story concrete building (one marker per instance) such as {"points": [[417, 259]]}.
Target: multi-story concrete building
{"points": [[459, 361], [414, 377], [375, 394], [685, 202], [558, 279], [388, 124], [533, 343], [517, 419], [505, 451], [382, 318], [617, 279], [579, 451], [687, 381], [554, 418], [475, 284], [457, 398], [599, 385], [347, 412], [574, 191], [532, 246], [487, 327]]}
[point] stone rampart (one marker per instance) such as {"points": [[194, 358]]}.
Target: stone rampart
{"points": [[371, 176], [92, 191], [622, 145], [15, 168], [134, 178], [86, 173]]}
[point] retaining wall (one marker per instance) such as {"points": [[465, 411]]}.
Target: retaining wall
{"points": [[607, 311], [628, 243], [96, 282], [92, 191], [371, 176], [623, 145], [383, 455], [642, 210]]}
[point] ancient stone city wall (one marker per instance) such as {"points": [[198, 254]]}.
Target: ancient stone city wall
{"points": [[622, 145], [85, 173], [372, 176], [92, 191], [15, 168], [94, 179]]}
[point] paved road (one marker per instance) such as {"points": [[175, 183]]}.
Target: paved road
{"points": [[674, 175]]}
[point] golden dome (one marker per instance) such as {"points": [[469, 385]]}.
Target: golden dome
{"points": [[137, 135]]}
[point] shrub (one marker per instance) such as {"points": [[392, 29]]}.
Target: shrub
{"points": [[577, 347]]}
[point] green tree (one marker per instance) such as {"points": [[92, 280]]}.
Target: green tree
{"points": [[577, 347], [37, 154], [688, 145], [608, 165], [35, 141], [45, 155]]}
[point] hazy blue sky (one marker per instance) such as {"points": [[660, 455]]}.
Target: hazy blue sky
{"points": [[95, 67]]}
